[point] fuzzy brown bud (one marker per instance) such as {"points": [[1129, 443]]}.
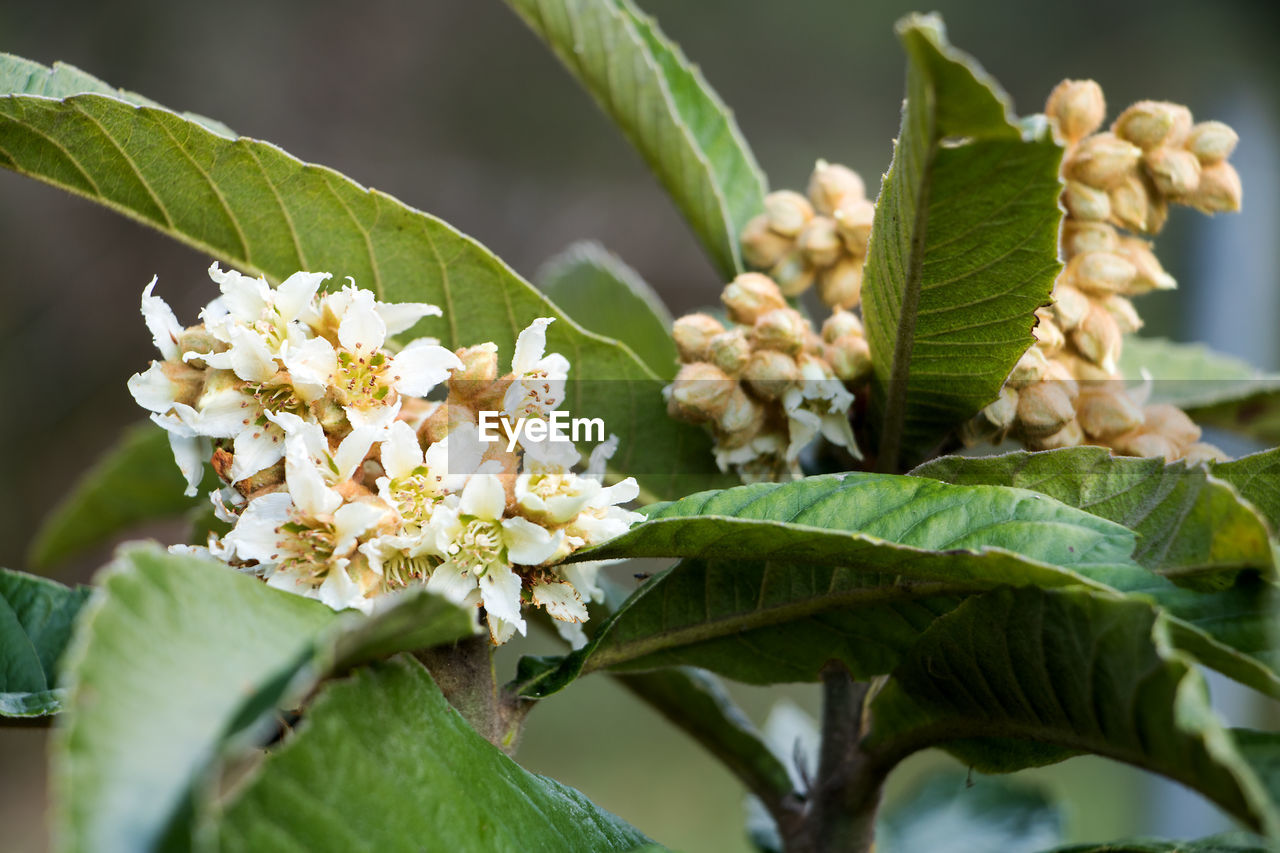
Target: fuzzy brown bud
{"points": [[787, 212], [840, 285], [1044, 408], [1150, 124], [770, 373], [1085, 202], [819, 241], [693, 334], [1134, 205], [1149, 275], [841, 323], [742, 416], [1212, 141], [1069, 305], [1103, 161], [730, 350], [1058, 372], [1100, 272], [1048, 335], [1077, 108], [1172, 423], [783, 329], [1080, 237], [1219, 190], [831, 184], [198, 339], [700, 392], [750, 295], [1029, 369], [1071, 435], [849, 357], [1098, 338], [1107, 412], [762, 247], [479, 364], [794, 274], [1201, 453], [1174, 171], [854, 218], [1141, 443], [1003, 411], [1123, 312]]}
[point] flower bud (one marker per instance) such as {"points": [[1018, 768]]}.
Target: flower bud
{"points": [[730, 350], [479, 367], [693, 334], [770, 373], [750, 295], [198, 339], [1150, 124], [1044, 408], [831, 184], [1141, 443], [794, 274], [1029, 369], [1123, 312], [840, 285], [762, 247], [841, 323], [787, 212], [1201, 454], [1172, 423], [1085, 202], [1069, 305], [1080, 369], [782, 329], [849, 357], [1108, 412], [1077, 108], [1174, 171], [1219, 190], [1212, 142], [1136, 206], [1003, 411], [1071, 435], [699, 392], [854, 218], [1059, 373], [1048, 335], [742, 416], [1080, 237], [1103, 161], [1098, 338], [1149, 274], [1100, 272], [820, 243]]}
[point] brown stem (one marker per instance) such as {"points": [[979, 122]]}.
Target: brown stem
{"points": [[465, 674]]}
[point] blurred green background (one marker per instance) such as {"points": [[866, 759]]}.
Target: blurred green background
{"points": [[456, 109]]}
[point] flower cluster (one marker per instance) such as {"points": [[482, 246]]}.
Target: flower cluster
{"points": [[344, 482], [1067, 389]]}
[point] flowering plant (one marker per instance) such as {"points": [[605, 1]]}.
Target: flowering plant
{"points": [[368, 421]]}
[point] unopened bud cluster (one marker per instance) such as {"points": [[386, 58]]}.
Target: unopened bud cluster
{"points": [[820, 238], [343, 482], [1119, 185], [766, 383]]}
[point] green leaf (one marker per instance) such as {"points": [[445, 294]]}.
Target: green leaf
{"points": [[136, 480], [956, 813], [1231, 842], [382, 762], [1215, 389], [1194, 527], [1023, 677], [177, 658], [1257, 478], [611, 299], [666, 110], [964, 250], [253, 206], [780, 579], [35, 622]]}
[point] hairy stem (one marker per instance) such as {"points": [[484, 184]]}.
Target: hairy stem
{"points": [[465, 674]]}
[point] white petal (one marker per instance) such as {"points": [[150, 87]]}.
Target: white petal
{"points": [[161, 322], [527, 543], [362, 328], [583, 577], [837, 430], [190, 454], [306, 485], [561, 601], [456, 456], [296, 292], [400, 316], [530, 346], [255, 448], [484, 497], [311, 364], [256, 535], [500, 591], [500, 630], [378, 416], [618, 493], [453, 582], [352, 521], [555, 366], [571, 633], [340, 592], [152, 389], [222, 414], [250, 357], [354, 448], [245, 298], [401, 452], [421, 367], [291, 582], [600, 457]]}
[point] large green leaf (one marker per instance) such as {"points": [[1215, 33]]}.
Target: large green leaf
{"points": [[956, 813], [382, 762], [176, 657], [611, 299], [1257, 477], [779, 579], [1231, 842], [1194, 526], [964, 250], [35, 623], [665, 108], [1022, 677], [136, 480], [254, 206], [1215, 389]]}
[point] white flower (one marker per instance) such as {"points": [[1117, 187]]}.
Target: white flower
{"points": [[415, 481], [325, 314], [481, 547], [537, 383], [161, 322], [250, 304], [306, 440]]}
